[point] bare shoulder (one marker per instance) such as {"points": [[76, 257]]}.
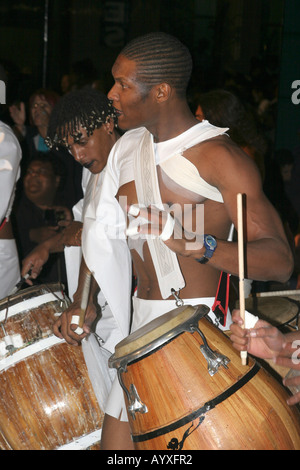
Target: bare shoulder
{"points": [[221, 163], [224, 165]]}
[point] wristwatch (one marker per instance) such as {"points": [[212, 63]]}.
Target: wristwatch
{"points": [[210, 244]]}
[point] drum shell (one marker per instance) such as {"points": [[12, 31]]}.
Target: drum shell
{"points": [[46, 398], [173, 382]]}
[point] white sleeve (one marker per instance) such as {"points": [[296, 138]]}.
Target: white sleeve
{"points": [[10, 158]]}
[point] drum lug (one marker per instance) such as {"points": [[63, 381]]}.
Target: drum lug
{"points": [[214, 359], [63, 304], [135, 403]]}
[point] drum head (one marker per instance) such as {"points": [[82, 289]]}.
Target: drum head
{"points": [[156, 333], [31, 297], [276, 310]]}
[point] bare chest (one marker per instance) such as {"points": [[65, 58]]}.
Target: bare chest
{"points": [[195, 212], [170, 192]]}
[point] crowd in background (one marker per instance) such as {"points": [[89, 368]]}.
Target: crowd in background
{"points": [[247, 105]]}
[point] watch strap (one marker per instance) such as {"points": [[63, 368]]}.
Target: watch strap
{"points": [[203, 260], [207, 255]]}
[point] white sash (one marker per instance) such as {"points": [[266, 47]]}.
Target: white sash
{"points": [[165, 261]]}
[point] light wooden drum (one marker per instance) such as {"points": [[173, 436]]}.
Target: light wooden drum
{"points": [[46, 398], [185, 388]]}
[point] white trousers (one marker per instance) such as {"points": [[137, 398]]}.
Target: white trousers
{"points": [[9, 267], [97, 348]]}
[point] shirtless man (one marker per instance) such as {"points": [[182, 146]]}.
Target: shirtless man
{"points": [[151, 75]]}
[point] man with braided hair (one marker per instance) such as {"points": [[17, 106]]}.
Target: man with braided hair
{"points": [[84, 122], [167, 165]]}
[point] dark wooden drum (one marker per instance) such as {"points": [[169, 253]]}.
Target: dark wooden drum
{"points": [[46, 398], [185, 388]]}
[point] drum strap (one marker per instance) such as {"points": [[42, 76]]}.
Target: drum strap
{"points": [[220, 306], [165, 261], [4, 221], [200, 413]]}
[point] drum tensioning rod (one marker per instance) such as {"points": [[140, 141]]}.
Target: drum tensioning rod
{"points": [[8, 342]]}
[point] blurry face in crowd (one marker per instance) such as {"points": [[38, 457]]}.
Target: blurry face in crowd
{"points": [[91, 151], [40, 183], [40, 111]]}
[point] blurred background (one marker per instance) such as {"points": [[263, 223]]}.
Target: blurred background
{"points": [[250, 48], [251, 44]]}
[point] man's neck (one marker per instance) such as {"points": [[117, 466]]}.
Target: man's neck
{"points": [[42, 204], [42, 130], [169, 126]]}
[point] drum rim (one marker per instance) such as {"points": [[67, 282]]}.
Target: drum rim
{"points": [[120, 361], [31, 298], [265, 301], [24, 293]]}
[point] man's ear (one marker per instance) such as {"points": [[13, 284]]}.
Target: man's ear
{"points": [[163, 92]]}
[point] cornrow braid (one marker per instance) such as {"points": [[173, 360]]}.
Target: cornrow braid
{"points": [[160, 57], [87, 108]]}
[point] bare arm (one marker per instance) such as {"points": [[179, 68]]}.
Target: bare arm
{"points": [[268, 255], [36, 259], [18, 115], [70, 236]]}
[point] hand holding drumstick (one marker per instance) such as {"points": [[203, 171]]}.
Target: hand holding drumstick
{"points": [[75, 322], [79, 319]]}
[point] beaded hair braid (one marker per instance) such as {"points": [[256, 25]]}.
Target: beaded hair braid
{"points": [[85, 108], [160, 57]]}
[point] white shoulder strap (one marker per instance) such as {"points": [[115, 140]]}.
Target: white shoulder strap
{"points": [[165, 261]]}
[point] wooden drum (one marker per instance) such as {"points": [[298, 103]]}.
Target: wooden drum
{"points": [[46, 398], [279, 311], [185, 388]]}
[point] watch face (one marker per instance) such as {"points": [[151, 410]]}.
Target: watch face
{"points": [[211, 242]]}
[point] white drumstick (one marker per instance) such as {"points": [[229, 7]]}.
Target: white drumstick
{"points": [[241, 265]]}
